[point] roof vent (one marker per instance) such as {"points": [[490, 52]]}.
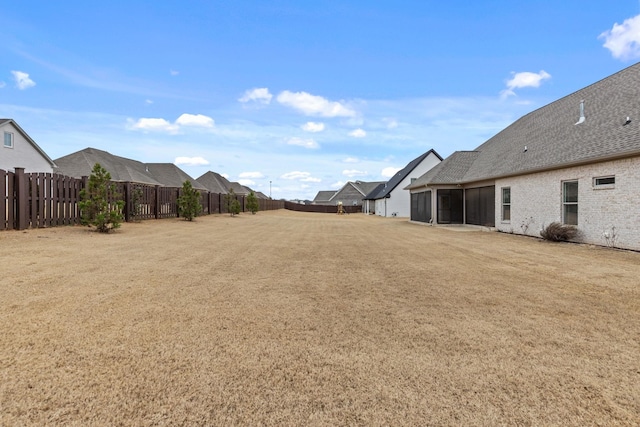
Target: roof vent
{"points": [[582, 118]]}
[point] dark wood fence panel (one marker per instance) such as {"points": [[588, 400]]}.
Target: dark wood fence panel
{"points": [[7, 201], [37, 200], [321, 208]]}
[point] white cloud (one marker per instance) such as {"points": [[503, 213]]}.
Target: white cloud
{"points": [[174, 72], [390, 122], [254, 175], [156, 125], [2, 84], [148, 101], [195, 120], [389, 172], [260, 95], [313, 127], [313, 105], [310, 179], [306, 143], [296, 175], [191, 161], [623, 40], [524, 79], [353, 172], [225, 175], [22, 80], [358, 133], [351, 160], [338, 184], [246, 182]]}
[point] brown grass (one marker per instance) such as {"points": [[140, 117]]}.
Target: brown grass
{"points": [[314, 319]]}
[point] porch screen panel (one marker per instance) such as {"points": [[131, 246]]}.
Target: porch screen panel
{"points": [[450, 206], [480, 206]]}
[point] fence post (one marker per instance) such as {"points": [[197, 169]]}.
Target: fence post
{"points": [[127, 201], [157, 201], [22, 199]]}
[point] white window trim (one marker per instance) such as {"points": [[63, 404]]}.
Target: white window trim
{"points": [[597, 186], [4, 139], [565, 203], [503, 204]]}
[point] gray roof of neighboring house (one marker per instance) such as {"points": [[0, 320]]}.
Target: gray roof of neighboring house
{"points": [[28, 138], [239, 189], [81, 164], [261, 195], [214, 182], [399, 176], [553, 139], [171, 175], [376, 192], [324, 196], [365, 187]]}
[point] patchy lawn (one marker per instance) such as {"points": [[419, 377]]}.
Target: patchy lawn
{"points": [[289, 318]]}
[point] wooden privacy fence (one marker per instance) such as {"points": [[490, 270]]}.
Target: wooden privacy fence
{"points": [[292, 206], [33, 200]]}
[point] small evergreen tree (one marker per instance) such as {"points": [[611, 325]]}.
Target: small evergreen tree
{"points": [[189, 205], [252, 203], [100, 204], [231, 203]]}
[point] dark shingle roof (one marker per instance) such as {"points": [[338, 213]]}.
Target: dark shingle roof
{"points": [[214, 182], [171, 175], [81, 164], [400, 175], [554, 140], [366, 187], [451, 170], [323, 196], [376, 192]]}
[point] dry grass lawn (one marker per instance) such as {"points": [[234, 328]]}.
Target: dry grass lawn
{"points": [[287, 318]]}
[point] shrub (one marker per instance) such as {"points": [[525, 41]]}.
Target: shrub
{"points": [[100, 204], [189, 205], [231, 203], [252, 203], [557, 232]]}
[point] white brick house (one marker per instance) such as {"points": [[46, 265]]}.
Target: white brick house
{"points": [[19, 150], [574, 161]]}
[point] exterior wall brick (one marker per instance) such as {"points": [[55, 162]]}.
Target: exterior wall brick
{"points": [[536, 201]]}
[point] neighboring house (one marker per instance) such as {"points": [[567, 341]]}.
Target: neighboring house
{"points": [[392, 200], [214, 182], [574, 161], [217, 183], [353, 193], [19, 150], [369, 201], [323, 198], [81, 164]]}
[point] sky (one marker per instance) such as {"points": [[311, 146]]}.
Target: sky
{"points": [[290, 97]]}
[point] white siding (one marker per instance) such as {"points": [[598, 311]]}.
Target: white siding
{"points": [[23, 154], [536, 200], [400, 200]]}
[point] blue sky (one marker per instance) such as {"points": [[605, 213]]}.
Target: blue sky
{"points": [[305, 95]]}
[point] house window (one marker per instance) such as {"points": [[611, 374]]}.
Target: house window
{"points": [[506, 204], [570, 202], [8, 140], [604, 181]]}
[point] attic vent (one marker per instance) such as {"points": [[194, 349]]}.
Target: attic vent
{"points": [[582, 118]]}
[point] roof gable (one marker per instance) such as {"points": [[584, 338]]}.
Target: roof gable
{"points": [[401, 175], [26, 136]]}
